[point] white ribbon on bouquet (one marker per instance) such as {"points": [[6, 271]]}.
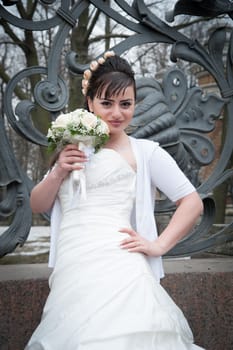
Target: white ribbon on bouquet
{"points": [[77, 184]]}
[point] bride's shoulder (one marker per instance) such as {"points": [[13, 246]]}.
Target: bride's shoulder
{"points": [[144, 144]]}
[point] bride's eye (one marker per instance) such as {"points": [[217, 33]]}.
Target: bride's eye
{"points": [[106, 103], [126, 104]]}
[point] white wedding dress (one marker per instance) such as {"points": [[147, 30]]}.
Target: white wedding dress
{"points": [[103, 297]]}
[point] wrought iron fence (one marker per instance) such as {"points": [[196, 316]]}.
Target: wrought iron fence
{"points": [[181, 123]]}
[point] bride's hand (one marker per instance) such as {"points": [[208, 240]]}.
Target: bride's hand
{"points": [[136, 243], [70, 158]]}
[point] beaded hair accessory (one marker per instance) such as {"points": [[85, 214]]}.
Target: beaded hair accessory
{"points": [[93, 67]]}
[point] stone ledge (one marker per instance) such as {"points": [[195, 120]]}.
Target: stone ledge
{"points": [[171, 266], [201, 287]]}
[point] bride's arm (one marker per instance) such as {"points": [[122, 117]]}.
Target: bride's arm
{"points": [[44, 193], [188, 210], [168, 177]]}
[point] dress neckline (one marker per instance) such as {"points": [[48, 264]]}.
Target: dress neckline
{"points": [[122, 158]]}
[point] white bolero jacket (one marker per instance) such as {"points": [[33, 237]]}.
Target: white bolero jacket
{"points": [[155, 169]]}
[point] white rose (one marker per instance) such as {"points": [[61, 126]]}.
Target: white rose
{"points": [[61, 121], [75, 116], [89, 120], [50, 133], [67, 136], [103, 128]]}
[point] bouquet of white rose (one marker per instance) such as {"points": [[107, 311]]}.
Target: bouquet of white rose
{"points": [[77, 126], [82, 128]]}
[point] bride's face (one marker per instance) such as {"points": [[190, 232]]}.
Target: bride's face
{"points": [[117, 110]]}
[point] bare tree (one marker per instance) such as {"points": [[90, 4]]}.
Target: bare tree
{"points": [[32, 49]]}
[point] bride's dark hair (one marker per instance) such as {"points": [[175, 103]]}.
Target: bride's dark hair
{"points": [[113, 76]]}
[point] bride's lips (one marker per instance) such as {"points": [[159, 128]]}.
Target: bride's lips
{"points": [[115, 123]]}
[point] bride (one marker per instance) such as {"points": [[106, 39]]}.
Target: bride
{"points": [[105, 252]]}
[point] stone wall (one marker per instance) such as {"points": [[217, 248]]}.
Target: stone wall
{"points": [[203, 288]]}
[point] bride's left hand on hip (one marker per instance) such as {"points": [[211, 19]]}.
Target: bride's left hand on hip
{"points": [[136, 243]]}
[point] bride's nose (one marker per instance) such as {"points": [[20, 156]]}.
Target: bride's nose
{"points": [[116, 111]]}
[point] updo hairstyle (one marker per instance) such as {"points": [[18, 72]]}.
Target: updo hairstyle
{"points": [[113, 76]]}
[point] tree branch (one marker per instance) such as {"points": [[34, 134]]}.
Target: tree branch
{"points": [[5, 77], [11, 33], [93, 23], [103, 37]]}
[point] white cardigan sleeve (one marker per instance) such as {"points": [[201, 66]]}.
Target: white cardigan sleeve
{"points": [[155, 169], [167, 176]]}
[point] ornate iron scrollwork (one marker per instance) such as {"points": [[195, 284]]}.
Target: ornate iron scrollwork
{"points": [[177, 117], [170, 112], [207, 8]]}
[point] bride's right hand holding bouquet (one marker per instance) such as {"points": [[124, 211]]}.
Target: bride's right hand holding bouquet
{"points": [[82, 128]]}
